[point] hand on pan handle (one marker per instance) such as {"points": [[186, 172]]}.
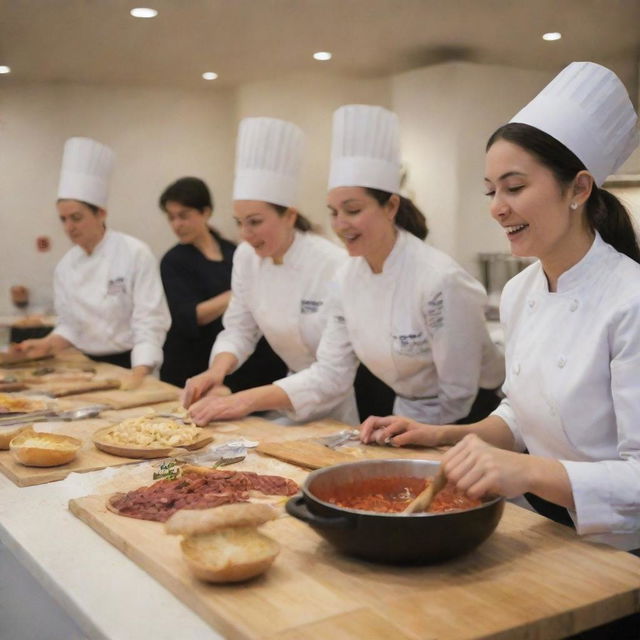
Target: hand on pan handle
{"points": [[398, 432]]}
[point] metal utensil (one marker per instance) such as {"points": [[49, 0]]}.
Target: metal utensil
{"points": [[422, 501], [336, 440], [173, 416], [81, 413]]}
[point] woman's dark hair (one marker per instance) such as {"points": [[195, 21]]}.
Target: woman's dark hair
{"points": [[302, 223], [409, 217], [189, 192], [605, 213]]}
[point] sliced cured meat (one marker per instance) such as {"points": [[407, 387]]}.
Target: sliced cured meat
{"points": [[195, 490]]}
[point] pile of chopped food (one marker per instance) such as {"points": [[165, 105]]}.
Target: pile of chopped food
{"points": [[152, 431]]}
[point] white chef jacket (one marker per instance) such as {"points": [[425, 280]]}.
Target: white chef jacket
{"points": [[418, 326], [112, 300], [287, 304], [573, 384]]}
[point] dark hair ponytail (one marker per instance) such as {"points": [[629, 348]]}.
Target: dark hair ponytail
{"points": [[301, 223], [604, 212], [409, 217]]}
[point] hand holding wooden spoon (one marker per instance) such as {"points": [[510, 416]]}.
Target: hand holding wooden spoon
{"points": [[422, 501]]}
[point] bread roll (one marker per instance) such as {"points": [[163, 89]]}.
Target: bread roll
{"points": [[35, 449], [229, 555], [7, 434], [222, 544], [198, 521]]}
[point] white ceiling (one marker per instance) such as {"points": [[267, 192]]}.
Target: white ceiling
{"points": [[97, 41]]}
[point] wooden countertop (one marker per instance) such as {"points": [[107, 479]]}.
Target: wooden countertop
{"points": [[531, 579]]}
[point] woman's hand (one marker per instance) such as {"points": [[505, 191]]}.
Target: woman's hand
{"points": [[198, 386], [215, 407], [478, 469], [398, 432], [134, 378], [38, 348]]}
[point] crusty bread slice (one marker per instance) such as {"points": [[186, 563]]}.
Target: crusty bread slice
{"points": [[7, 434], [229, 555], [199, 521], [35, 449]]}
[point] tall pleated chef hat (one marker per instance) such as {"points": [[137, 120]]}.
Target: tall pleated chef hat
{"points": [[268, 161], [365, 150], [586, 108], [86, 170]]}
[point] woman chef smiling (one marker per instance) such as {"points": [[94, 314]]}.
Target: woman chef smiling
{"points": [[107, 290], [281, 273], [572, 320], [407, 311]]}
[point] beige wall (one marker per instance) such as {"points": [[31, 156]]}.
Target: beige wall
{"points": [[158, 136]]}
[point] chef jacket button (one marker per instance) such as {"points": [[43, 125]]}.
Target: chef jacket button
{"points": [[532, 303], [516, 369], [574, 305], [562, 361]]}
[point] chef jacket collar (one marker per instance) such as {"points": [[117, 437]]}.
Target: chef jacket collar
{"points": [[294, 255], [585, 271], [99, 248], [394, 258]]}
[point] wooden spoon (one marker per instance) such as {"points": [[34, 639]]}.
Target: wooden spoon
{"points": [[422, 501]]}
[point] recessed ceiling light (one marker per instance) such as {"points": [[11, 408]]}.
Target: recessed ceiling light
{"points": [[209, 75], [322, 55], [143, 12], [4, 68], [552, 35]]}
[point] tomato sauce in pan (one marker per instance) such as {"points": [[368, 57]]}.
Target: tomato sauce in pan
{"points": [[393, 494]]}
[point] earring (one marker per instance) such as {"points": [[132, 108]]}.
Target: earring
{"points": [[573, 206]]}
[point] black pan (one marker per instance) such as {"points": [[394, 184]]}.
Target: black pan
{"points": [[421, 538]]}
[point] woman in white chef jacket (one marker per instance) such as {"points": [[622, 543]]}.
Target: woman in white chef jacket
{"points": [[407, 311], [572, 320], [108, 294], [281, 272]]}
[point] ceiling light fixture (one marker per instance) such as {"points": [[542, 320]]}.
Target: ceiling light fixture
{"points": [[552, 35], [143, 12], [322, 55], [4, 68], [209, 75]]}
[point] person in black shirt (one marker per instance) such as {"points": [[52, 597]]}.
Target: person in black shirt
{"points": [[196, 275]]}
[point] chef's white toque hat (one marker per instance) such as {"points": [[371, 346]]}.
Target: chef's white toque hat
{"points": [[365, 149], [86, 169], [268, 161], [586, 108]]}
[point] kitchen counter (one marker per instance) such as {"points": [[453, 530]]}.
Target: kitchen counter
{"points": [[98, 592], [522, 580]]}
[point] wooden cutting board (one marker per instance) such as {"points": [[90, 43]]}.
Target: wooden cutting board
{"points": [[309, 453], [88, 459], [531, 579], [62, 389], [151, 392]]}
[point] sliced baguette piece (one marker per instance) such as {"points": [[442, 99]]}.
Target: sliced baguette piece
{"points": [[192, 522], [36, 449], [229, 555], [7, 434]]}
